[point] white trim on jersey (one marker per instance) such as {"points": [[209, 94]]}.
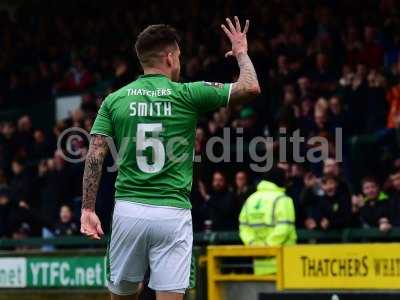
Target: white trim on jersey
{"points": [[100, 133], [229, 94]]}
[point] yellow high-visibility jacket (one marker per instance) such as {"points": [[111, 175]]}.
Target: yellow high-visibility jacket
{"points": [[267, 219]]}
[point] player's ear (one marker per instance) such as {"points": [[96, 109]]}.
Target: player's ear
{"points": [[170, 59]]}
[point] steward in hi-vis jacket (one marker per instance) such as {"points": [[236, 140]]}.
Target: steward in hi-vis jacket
{"points": [[268, 219]]}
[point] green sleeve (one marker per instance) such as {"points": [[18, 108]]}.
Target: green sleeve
{"points": [[103, 124], [208, 96]]}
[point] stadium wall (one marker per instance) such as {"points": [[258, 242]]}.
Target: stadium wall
{"points": [[341, 270]]}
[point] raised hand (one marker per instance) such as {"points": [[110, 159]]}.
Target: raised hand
{"points": [[247, 86], [236, 36]]}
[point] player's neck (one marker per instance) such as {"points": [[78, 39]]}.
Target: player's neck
{"points": [[147, 71]]}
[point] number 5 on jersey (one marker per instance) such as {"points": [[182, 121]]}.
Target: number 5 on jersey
{"points": [[142, 143]]}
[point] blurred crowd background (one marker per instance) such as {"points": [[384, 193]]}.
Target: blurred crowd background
{"points": [[322, 65]]}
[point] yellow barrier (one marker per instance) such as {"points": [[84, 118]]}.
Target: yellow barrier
{"points": [[348, 266], [214, 255]]}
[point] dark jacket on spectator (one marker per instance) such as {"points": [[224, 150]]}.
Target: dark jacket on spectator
{"points": [[21, 215], [337, 209], [5, 210], [395, 208], [240, 198], [63, 229], [220, 210], [54, 191], [308, 202], [375, 209], [294, 191], [198, 212], [20, 187]]}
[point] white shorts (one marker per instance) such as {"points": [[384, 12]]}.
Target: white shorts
{"points": [[145, 236]]}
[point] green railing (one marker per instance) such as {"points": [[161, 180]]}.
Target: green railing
{"points": [[215, 238], [309, 236]]}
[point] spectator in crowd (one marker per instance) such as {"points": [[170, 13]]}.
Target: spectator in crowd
{"points": [[294, 188], [40, 148], [24, 220], [66, 226], [373, 206], [338, 117], [334, 207], [323, 77], [8, 144], [247, 122], [242, 190], [395, 197], [389, 142], [21, 182], [372, 51], [3, 180], [53, 182], [326, 205], [220, 204], [308, 200], [23, 136], [393, 98], [331, 167], [77, 79], [5, 208], [21, 232]]}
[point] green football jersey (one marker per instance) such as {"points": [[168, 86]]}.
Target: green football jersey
{"points": [[153, 121]]}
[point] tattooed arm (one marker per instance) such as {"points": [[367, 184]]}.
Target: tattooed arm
{"points": [[90, 223], [247, 86], [91, 177]]}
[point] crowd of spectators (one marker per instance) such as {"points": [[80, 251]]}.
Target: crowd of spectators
{"points": [[322, 65]]}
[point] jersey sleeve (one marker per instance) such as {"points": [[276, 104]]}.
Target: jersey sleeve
{"points": [[102, 124], [208, 96]]}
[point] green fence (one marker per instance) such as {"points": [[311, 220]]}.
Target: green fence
{"points": [[215, 238]]}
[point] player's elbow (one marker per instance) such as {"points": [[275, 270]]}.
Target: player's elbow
{"points": [[253, 90]]}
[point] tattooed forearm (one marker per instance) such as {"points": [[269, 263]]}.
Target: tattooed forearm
{"points": [[91, 177], [247, 85]]}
